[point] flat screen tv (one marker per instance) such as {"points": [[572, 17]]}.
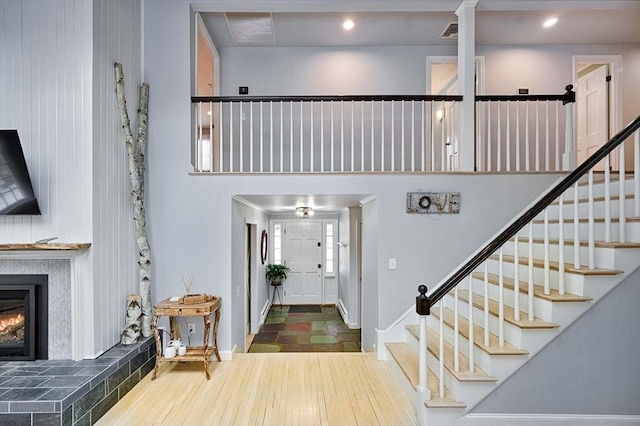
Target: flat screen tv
{"points": [[16, 192]]}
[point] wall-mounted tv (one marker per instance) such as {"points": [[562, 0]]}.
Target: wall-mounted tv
{"points": [[16, 192]]}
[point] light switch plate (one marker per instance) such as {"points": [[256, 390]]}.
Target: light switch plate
{"points": [[392, 263]]}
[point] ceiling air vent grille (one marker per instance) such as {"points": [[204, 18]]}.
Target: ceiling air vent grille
{"points": [[450, 32], [251, 28]]}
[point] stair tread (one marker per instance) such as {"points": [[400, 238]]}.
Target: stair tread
{"points": [[568, 267], [478, 335], [433, 345], [583, 243], [538, 290], [509, 312], [408, 361], [586, 220], [595, 199]]}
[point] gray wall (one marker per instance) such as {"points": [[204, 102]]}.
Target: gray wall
{"points": [[593, 367]]}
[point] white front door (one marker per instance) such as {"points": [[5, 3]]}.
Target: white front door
{"points": [[303, 255], [593, 113]]}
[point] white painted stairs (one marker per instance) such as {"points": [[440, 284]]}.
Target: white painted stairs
{"points": [[553, 312]]}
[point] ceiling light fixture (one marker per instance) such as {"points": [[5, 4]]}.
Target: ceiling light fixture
{"points": [[550, 22], [348, 24], [304, 212]]}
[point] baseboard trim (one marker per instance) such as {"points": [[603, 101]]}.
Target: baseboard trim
{"points": [[482, 419], [228, 355]]}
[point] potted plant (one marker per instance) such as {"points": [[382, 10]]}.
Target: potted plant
{"points": [[276, 273]]}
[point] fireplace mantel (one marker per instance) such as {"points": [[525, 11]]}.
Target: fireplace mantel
{"points": [[44, 246]]}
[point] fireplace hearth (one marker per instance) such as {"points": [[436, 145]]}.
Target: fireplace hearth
{"points": [[23, 317]]}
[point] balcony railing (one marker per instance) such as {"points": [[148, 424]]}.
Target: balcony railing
{"points": [[360, 134]]}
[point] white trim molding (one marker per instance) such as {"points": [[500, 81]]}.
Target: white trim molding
{"points": [[485, 419]]}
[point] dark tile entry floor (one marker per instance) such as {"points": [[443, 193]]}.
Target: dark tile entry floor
{"points": [[319, 331]]}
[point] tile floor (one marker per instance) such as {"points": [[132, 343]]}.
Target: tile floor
{"points": [[323, 331]]}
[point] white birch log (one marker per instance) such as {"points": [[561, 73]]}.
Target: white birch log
{"points": [[135, 152], [131, 332]]}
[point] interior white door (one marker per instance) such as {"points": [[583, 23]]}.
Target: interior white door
{"points": [[303, 255], [593, 112]]}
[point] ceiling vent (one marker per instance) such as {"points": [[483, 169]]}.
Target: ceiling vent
{"points": [[450, 32], [251, 28]]}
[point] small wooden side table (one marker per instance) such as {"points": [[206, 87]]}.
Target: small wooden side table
{"points": [[173, 310]]}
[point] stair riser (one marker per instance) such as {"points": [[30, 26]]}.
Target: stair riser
{"points": [[402, 379], [598, 189], [605, 257], [632, 231], [599, 208]]}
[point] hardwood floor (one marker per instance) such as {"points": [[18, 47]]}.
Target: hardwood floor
{"points": [[269, 389]]}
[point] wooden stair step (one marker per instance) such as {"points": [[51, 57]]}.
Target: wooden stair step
{"points": [[538, 290], [595, 199], [568, 267], [586, 220], [509, 312], [433, 345], [408, 360], [478, 335], [583, 243]]}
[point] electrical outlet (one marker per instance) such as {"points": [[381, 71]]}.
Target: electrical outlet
{"points": [[192, 328]]}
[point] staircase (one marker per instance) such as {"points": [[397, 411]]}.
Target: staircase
{"points": [[538, 276]]}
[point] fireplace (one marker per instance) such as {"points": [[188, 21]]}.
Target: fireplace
{"points": [[23, 317]]}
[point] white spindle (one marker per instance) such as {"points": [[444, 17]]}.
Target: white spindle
{"points": [[331, 159], [530, 283], [576, 228], [479, 129], [607, 199], [270, 136], [423, 142], [537, 169], [487, 342], [568, 138], [527, 159], [501, 296], [547, 260], [220, 139], [471, 337], [342, 136], [281, 137], [517, 136], [441, 352], [291, 136], [231, 137], [561, 266], [322, 136], [499, 139], [456, 331], [301, 136], [422, 361], [402, 135], [546, 137], [393, 136], [592, 226], [413, 136], [211, 154], [508, 134], [433, 136], [362, 136], [636, 173], [622, 221], [558, 163], [516, 280], [373, 134], [443, 140], [241, 138], [382, 165], [251, 135], [489, 141], [261, 136], [312, 167], [353, 167], [199, 141]]}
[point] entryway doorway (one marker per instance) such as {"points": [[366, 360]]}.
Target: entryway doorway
{"points": [[598, 104], [303, 248]]}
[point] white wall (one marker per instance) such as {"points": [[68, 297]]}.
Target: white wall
{"points": [[117, 38], [45, 86]]}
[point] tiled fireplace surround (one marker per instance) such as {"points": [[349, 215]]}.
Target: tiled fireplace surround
{"points": [[61, 390]]}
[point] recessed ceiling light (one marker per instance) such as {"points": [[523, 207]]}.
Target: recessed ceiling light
{"points": [[348, 24], [550, 22]]}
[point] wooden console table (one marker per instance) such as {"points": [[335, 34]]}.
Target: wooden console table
{"points": [[173, 310]]}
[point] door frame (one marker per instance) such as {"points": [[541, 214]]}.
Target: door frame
{"points": [[615, 89], [250, 281]]}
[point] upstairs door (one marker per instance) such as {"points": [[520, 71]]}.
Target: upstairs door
{"points": [[592, 101], [303, 255]]}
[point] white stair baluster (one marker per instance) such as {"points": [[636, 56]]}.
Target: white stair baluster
{"points": [[321, 136], [527, 154], [592, 227], [441, 352], [489, 136], [636, 173], [456, 331], [312, 167], [220, 140], [607, 199], [211, 153], [353, 140], [270, 136], [558, 163], [261, 137], [546, 138], [281, 137], [393, 136], [516, 281], [547, 260], [576, 228], [402, 134], [413, 136], [251, 135], [231, 137], [487, 342], [517, 136], [508, 134], [561, 267], [291, 136], [302, 136], [382, 165], [501, 298], [433, 137], [471, 336], [443, 140], [241, 127], [530, 274], [331, 159], [622, 208], [373, 133], [499, 139], [362, 136]]}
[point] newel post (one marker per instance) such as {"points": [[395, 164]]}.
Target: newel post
{"points": [[423, 306], [569, 158]]}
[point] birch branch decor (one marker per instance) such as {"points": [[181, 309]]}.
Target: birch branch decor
{"points": [[135, 152]]}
